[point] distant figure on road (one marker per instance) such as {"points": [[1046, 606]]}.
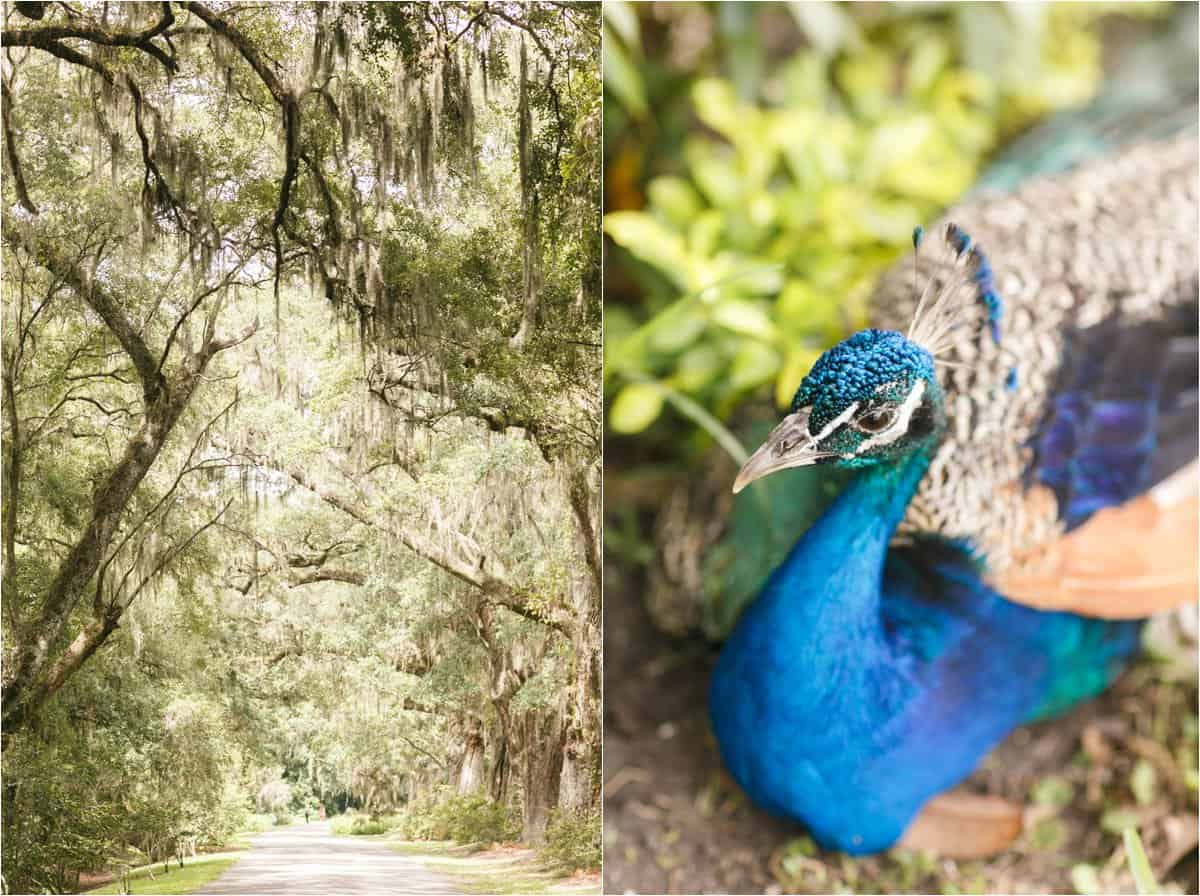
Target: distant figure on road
{"points": [[306, 814]]}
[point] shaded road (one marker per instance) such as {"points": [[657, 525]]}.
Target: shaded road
{"points": [[309, 858]]}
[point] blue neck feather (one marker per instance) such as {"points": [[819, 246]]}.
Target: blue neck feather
{"points": [[867, 677], [829, 587]]}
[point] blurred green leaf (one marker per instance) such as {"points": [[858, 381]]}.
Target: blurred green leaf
{"points": [[1143, 781], [1085, 880], [1053, 791], [1139, 865], [620, 17], [826, 25], [635, 407], [1117, 820], [747, 318], [676, 199], [623, 79], [753, 365], [927, 59], [798, 363], [1048, 833], [651, 241]]}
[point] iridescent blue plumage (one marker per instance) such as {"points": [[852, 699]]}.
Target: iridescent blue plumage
{"points": [[1099, 443], [863, 681]]}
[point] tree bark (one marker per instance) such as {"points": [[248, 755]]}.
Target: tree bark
{"points": [[575, 786], [500, 773], [541, 767], [471, 771]]}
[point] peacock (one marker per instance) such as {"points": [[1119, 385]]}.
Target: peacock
{"points": [[1019, 427]]}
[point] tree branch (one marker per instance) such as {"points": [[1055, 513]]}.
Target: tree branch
{"points": [[10, 153], [47, 37], [482, 574], [348, 576], [99, 300]]}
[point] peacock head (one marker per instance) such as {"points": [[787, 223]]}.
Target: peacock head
{"points": [[870, 399]]}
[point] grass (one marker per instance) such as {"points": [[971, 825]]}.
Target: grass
{"points": [[502, 872], [191, 877]]}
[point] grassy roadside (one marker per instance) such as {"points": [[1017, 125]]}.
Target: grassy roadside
{"points": [[192, 876], [499, 870], [195, 873]]}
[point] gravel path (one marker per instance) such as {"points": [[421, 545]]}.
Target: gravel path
{"points": [[309, 858]]}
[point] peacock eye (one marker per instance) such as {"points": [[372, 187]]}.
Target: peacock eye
{"points": [[875, 421]]}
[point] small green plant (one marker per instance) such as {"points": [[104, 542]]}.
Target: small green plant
{"points": [[1139, 865], [362, 826], [572, 841], [259, 822]]}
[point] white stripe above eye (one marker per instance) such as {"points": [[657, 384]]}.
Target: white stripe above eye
{"points": [[900, 426], [837, 421]]}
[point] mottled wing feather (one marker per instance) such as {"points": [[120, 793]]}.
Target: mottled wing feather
{"points": [[1112, 241]]}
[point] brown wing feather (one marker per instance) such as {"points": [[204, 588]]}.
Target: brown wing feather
{"points": [[1126, 562]]}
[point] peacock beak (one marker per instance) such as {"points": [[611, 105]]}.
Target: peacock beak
{"points": [[789, 445]]}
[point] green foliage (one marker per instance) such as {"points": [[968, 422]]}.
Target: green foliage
{"points": [[151, 775], [258, 822], [469, 818], [753, 217], [572, 841], [363, 825], [368, 826]]}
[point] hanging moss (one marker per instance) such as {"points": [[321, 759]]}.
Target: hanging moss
{"points": [[468, 133], [317, 68]]}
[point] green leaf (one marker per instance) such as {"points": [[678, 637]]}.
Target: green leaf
{"points": [[1117, 820], [826, 25], [623, 79], [718, 107], [719, 180], [698, 367], [753, 365], [1085, 880], [1047, 834], [620, 17], [1143, 781], [650, 241], [635, 407], [1139, 865], [675, 198], [798, 363], [926, 61], [745, 317], [1053, 791]]}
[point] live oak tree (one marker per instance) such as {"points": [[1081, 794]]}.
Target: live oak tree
{"points": [[200, 198]]}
